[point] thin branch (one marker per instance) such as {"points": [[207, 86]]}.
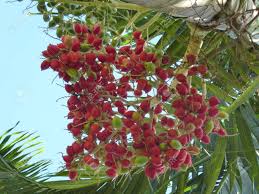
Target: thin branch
{"points": [[115, 4]]}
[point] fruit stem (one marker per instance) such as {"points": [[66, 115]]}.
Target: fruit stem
{"points": [[244, 96], [196, 40], [195, 43], [115, 4], [181, 183], [204, 89]]}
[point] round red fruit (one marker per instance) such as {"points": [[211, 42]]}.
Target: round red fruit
{"points": [[111, 172]]}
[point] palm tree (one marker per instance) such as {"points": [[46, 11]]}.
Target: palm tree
{"points": [[223, 35]]}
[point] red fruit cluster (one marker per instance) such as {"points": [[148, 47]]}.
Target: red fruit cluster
{"points": [[118, 106]]}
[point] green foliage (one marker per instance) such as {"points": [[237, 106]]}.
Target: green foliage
{"points": [[18, 172], [234, 71]]}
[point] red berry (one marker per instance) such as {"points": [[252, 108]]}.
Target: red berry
{"points": [[213, 111], [182, 156], [107, 107], [90, 58], [198, 122], [68, 159], [118, 103], [155, 151], [170, 122], [188, 160], [205, 139], [75, 131], [141, 84], [90, 38], [110, 147], [214, 101], [137, 35], [84, 28], [55, 64], [75, 45], [124, 79], [88, 145], [70, 151], [202, 69], [150, 172], [145, 106], [192, 71], [158, 109], [198, 133], [156, 161], [179, 103], [111, 172], [125, 50], [77, 148], [88, 159], [110, 50], [191, 59], [94, 129], [182, 89], [69, 88], [164, 121], [77, 28], [165, 60], [72, 175], [138, 93], [95, 112], [172, 153], [172, 133], [110, 87], [120, 151], [95, 164], [222, 132], [140, 42], [148, 88], [46, 54], [183, 139], [102, 57], [125, 163], [181, 77], [97, 43], [161, 73], [97, 29], [180, 113], [53, 49], [45, 65]]}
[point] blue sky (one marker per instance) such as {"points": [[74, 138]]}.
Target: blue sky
{"points": [[27, 94]]}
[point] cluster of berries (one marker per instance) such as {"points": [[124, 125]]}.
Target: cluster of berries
{"points": [[124, 112]]}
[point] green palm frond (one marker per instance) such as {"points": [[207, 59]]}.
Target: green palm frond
{"points": [[18, 172], [228, 165]]}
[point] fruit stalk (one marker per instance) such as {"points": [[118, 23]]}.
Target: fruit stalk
{"points": [[196, 40], [193, 48], [118, 5]]}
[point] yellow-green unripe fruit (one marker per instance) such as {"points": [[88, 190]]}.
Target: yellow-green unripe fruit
{"points": [[150, 67], [176, 144], [163, 146], [117, 122], [223, 115], [184, 168], [194, 150], [140, 160], [84, 47], [209, 125], [136, 116], [73, 73]]}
